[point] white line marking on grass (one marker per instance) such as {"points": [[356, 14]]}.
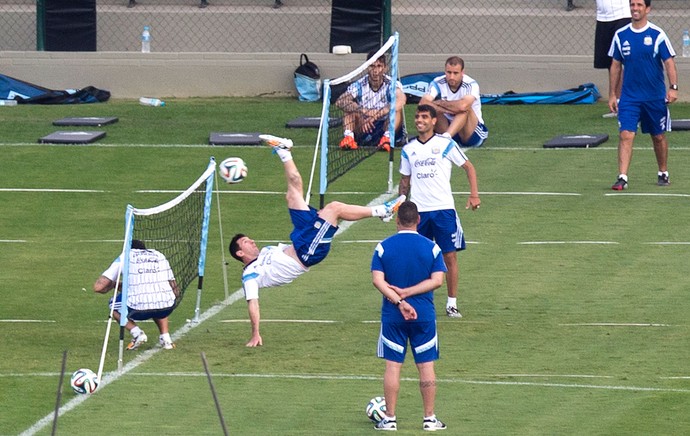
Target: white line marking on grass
{"points": [[615, 324], [26, 320], [567, 242], [667, 243], [88, 191], [12, 241], [552, 375], [166, 191], [645, 194], [524, 193], [415, 380], [299, 321]]}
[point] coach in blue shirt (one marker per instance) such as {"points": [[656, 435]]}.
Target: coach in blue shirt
{"points": [[406, 268]]}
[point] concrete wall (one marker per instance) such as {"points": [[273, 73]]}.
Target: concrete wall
{"points": [[132, 75]]}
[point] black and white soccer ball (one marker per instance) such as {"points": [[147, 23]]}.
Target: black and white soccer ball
{"points": [[376, 409], [84, 381], [233, 170]]}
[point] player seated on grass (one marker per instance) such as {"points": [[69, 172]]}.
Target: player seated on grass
{"points": [[456, 98], [366, 104], [151, 294], [311, 237]]}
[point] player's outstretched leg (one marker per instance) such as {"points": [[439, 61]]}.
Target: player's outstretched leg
{"points": [[276, 141]]}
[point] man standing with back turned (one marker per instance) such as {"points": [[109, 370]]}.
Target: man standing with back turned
{"points": [[640, 52]]}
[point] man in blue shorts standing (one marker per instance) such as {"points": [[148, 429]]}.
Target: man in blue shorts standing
{"points": [[406, 268], [426, 164], [643, 50], [311, 237]]}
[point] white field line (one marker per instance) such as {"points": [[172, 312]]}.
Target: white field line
{"points": [[13, 241], [88, 191], [82, 398], [25, 320], [615, 324], [645, 194], [147, 354], [295, 321], [567, 242]]}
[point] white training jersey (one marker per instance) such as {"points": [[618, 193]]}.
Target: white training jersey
{"points": [[364, 95], [272, 268], [429, 165], [469, 86], [612, 10], [149, 280]]}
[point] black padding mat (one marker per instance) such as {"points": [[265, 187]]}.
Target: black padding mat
{"points": [[577, 141], [680, 124], [85, 121], [312, 122], [234, 138], [62, 137]]}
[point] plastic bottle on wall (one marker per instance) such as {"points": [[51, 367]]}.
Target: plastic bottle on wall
{"points": [[146, 101], [146, 40], [686, 44]]}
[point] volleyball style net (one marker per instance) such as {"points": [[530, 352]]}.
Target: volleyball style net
{"points": [[362, 105]]}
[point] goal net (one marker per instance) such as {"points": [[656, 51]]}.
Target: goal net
{"points": [[360, 105], [178, 230]]}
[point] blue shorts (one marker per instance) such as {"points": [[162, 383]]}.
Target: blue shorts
{"points": [[140, 315], [422, 336], [444, 228], [481, 132], [653, 116], [311, 235]]}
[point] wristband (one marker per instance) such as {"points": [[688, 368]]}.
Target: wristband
{"points": [[399, 301]]}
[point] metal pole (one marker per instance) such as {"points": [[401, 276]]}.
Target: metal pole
{"points": [[387, 27], [40, 24]]}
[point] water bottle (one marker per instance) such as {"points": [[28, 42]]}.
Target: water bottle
{"points": [[146, 40], [147, 101], [686, 44]]}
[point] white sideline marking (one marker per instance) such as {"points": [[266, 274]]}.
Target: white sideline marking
{"points": [[89, 191], [147, 354], [667, 243], [567, 242], [645, 194], [305, 321], [26, 320], [82, 398], [13, 241], [615, 324], [523, 193]]}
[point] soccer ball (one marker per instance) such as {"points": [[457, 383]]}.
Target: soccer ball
{"points": [[233, 170], [376, 409], [84, 381]]}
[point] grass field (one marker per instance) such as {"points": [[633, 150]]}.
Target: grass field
{"points": [[574, 297]]}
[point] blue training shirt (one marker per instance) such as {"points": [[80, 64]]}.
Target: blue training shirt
{"points": [[408, 258], [642, 53]]}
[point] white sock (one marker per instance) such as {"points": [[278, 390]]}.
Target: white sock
{"points": [[136, 331], [283, 154], [165, 337], [430, 418], [663, 173], [452, 302], [379, 210], [348, 133], [623, 176]]}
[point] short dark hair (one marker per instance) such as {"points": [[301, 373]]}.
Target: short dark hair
{"points": [[408, 215], [371, 55], [235, 246], [456, 60], [427, 108], [138, 244]]}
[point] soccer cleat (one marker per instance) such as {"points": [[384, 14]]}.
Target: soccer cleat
{"points": [[386, 424], [348, 143], [137, 341], [392, 207], [276, 142], [662, 180], [453, 312], [620, 184], [168, 345], [610, 115], [433, 425], [384, 143]]}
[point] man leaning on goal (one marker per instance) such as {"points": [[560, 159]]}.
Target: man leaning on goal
{"points": [[311, 237]]}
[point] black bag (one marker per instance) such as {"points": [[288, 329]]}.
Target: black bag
{"points": [[307, 68], [307, 80]]}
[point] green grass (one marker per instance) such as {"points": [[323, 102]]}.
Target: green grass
{"points": [[536, 352]]}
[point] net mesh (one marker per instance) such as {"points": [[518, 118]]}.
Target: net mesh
{"points": [[178, 229], [355, 104]]}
